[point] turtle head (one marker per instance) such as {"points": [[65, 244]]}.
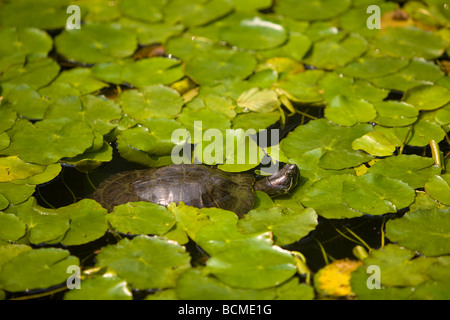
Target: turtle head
{"points": [[281, 182]]}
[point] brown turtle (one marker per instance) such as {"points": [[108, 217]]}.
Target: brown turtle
{"points": [[195, 185]]}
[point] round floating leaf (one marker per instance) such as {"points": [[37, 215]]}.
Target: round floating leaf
{"points": [[312, 10], [96, 43], [374, 143], [412, 169], [254, 33], [427, 97], [156, 70], [141, 218], [348, 111], [16, 193], [26, 101], [193, 285], [331, 53], [256, 121], [148, 34], [14, 168], [371, 67], [438, 187], [36, 269], [36, 73], [259, 100], [196, 12], [4, 140], [151, 102], [286, 227], [395, 113], [4, 203], [149, 11], [424, 230], [302, 87], [423, 131], [48, 141], [325, 196], [146, 262], [334, 139], [107, 287], [46, 14], [7, 118], [11, 227], [418, 72], [77, 81], [216, 65], [376, 194], [410, 42]]}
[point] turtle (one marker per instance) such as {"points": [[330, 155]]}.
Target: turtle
{"points": [[196, 185]]}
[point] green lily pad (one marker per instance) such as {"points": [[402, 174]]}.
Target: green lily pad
{"points": [[4, 140], [77, 81], [418, 72], [14, 168], [148, 34], [48, 141], [36, 74], [46, 14], [427, 97], [372, 67], [36, 269], [438, 187], [326, 197], [51, 171], [149, 11], [312, 10], [334, 139], [151, 102], [254, 33], [26, 101], [196, 12], [348, 111], [96, 43], [374, 143], [258, 100], [376, 194], [11, 227], [216, 65], [256, 121], [20, 43], [16, 193], [395, 113], [333, 84], [414, 227], [108, 287], [331, 53], [146, 262], [4, 203], [412, 169], [141, 218], [302, 87], [286, 227], [423, 131], [410, 42], [8, 118]]}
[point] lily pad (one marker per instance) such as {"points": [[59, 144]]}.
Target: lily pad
{"points": [[312, 10], [146, 262], [151, 102], [149, 11], [36, 269], [410, 42], [331, 53], [371, 67], [96, 43], [438, 187], [26, 101], [376, 194], [14, 168], [374, 143], [216, 65], [427, 97], [302, 87], [12, 228], [141, 218], [108, 287], [412, 169], [259, 100], [423, 131], [348, 111], [48, 141], [411, 230], [16, 193], [254, 33], [334, 139], [395, 113]]}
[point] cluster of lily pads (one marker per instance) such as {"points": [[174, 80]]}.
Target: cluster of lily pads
{"points": [[372, 102]]}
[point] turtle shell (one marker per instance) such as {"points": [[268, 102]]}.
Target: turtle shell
{"points": [[195, 185]]}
